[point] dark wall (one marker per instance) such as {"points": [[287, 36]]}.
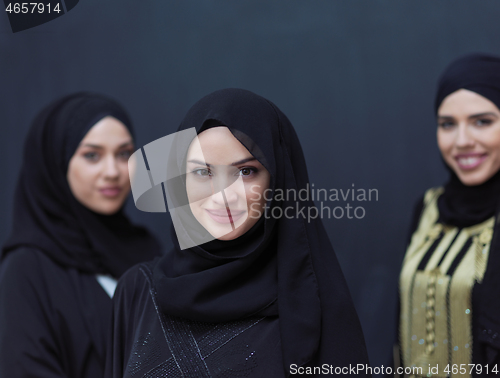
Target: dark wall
{"points": [[356, 78]]}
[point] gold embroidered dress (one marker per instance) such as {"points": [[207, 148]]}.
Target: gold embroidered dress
{"points": [[441, 266]]}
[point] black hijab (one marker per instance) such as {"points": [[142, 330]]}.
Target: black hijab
{"points": [[463, 206], [48, 217], [284, 267]]}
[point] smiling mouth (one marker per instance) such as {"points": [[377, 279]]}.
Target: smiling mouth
{"points": [[470, 162], [111, 192], [225, 216]]}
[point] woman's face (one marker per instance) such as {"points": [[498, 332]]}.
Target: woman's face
{"points": [[468, 136], [224, 183], [98, 171]]}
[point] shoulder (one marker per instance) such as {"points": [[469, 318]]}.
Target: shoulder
{"points": [[425, 199], [134, 285], [24, 256], [138, 275], [432, 194], [26, 264], [28, 273], [30, 284], [420, 204]]}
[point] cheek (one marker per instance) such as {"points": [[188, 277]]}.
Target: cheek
{"points": [[81, 179], [195, 199], [445, 143], [124, 171], [492, 143], [255, 191], [492, 139], [192, 191], [125, 177]]}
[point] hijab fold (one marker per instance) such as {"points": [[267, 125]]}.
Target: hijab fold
{"points": [[465, 206], [48, 217], [281, 267]]}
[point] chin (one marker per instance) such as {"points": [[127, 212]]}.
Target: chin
{"points": [[107, 210], [225, 233], [231, 236], [221, 234], [227, 238], [473, 180]]}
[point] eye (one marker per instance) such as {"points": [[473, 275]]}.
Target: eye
{"points": [[202, 172], [125, 155], [248, 171], [91, 156], [446, 124], [483, 122]]}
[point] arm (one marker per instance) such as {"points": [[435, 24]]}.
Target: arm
{"points": [[121, 337], [414, 221], [28, 344]]}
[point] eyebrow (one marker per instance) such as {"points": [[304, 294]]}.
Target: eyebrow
{"points": [[472, 116], [483, 114], [235, 163], [126, 144]]}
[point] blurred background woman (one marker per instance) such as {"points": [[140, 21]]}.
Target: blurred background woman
{"points": [[450, 280], [70, 240]]}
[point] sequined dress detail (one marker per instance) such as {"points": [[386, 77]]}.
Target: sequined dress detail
{"points": [[441, 266]]}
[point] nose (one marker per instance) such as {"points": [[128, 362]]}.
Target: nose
{"points": [[225, 197], [110, 168], [463, 138], [225, 191]]}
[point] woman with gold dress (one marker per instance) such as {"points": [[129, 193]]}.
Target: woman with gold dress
{"points": [[449, 321]]}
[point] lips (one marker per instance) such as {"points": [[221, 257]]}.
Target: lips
{"points": [[222, 216], [110, 191], [469, 161]]}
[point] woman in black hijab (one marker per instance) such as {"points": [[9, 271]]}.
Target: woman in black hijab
{"points": [[70, 240], [450, 280], [256, 292]]}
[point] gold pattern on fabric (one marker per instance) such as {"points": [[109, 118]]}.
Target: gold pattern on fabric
{"points": [[436, 308]]}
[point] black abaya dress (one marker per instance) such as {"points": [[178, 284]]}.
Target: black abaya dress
{"points": [[55, 319], [149, 344], [266, 304]]}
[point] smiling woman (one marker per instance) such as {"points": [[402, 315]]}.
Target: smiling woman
{"points": [[70, 240], [98, 171], [469, 136], [249, 296], [233, 211], [450, 279]]}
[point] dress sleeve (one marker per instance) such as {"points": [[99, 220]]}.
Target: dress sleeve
{"points": [[415, 219], [126, 304], [28, 322], [395, 356]]}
